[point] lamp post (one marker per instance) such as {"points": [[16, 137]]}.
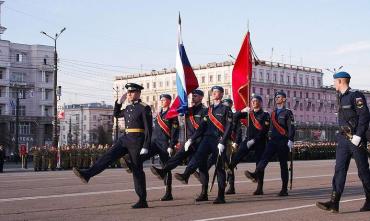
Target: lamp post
{"points": [[55, 128]]}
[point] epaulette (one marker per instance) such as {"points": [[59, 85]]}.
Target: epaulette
{"points": [[144, 104]]}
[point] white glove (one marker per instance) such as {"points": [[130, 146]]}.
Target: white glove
{"points": [[143, 151], [234, 145], [122, 99], [250, 143], [356, 140], [221, 148], [187, 145], [290, 145], [247, 109], [169, 151]]}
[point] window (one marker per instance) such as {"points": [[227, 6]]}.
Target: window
{"points": [[288, 94], [24, 128], [268, 91], [261, 91], [47, 77], [301, 106], [226, 91], [300, 80], [19, 57], [268, 76], [288, 79], [318, 82], [275, 77], [313, 95], [84, 117], [253, 90], [219, 77], [294, 80], [147, 98], [147, 85], [94, 117], [160, 84], [1, 74], [167, 83], [203, 79], [313, 82], [253, 74], [154, 84], [261, 75], [306, 94], [1, 109], [84, 127], [153, 97], [17, 77], [313, 107], [45, 61], [319, 96], [22, 110], [294, 93], [281, 79], [1, 92], [300, 94], [306, 81], [211, 78]]}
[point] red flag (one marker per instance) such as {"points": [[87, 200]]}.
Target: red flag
{"points": [[242, 75], [61, 115]]}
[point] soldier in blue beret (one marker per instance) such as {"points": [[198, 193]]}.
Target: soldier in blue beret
{"points": [[353, 119]]}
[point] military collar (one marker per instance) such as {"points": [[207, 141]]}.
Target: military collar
{"points": [[135, 102], [164, 112], [346, 92]]}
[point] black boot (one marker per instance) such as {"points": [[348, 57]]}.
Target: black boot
{"points": [[182, 177], [81, 174], [159, 173], [259, 190], [332, 205], [220, 197], [203, 196], [168, 195], [126, 165], [366, 206], [283, 192], [252, 176], [140, 204]]}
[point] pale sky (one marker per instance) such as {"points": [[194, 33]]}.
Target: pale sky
{"points": [[108, 38]]}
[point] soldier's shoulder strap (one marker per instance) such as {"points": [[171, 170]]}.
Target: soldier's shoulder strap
{"points": [[143, 104]]}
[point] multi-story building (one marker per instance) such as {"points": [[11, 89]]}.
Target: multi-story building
{"points": [[86, 123], [313, 104], [26, 73]]}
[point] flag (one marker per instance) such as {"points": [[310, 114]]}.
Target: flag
{"points": [[242, 75], [61, 115], [186, 81]]}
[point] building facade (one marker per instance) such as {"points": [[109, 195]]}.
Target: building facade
{"points": [[86, 123], [26, 74], [313, 104]]}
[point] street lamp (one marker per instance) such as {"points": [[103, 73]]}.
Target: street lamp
{"points": [[55, 128]]}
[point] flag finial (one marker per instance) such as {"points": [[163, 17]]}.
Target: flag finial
{"points": [[179, 19]]}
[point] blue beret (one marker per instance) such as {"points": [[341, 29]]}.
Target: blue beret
{"points": [[256, 96], [228, 100], [341, 74], [133, 87], [281, 93], [218, 88], [198, 92], [165, 96]]}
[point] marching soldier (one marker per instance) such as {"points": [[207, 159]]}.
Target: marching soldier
{"points": [[165, 138], [215, 131], [256, 138], [353, 119], [281, 142], [44, 159], [193, 120], [135, 141], [52, 158]]}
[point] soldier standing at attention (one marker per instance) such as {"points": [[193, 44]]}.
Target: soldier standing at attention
{"points": [[281, 142], [2, 157], [353, 119], [135, 141]]}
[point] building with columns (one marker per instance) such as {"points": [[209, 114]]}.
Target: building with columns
{"points": [[26, 73], [314, 105]]}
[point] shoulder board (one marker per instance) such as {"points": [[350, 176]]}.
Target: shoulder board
{"points": [[353, 90], [144, 104]]}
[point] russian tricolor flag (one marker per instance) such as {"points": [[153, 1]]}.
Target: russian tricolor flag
{"points": [[186, 81]]}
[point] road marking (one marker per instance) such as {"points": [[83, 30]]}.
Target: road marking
{"points": [[132, 190], [270, 211]]}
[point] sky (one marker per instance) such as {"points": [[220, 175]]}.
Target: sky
{"points": [[107, 38]]}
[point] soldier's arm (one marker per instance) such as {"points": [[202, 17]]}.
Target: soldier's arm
{"points": [[201, 129], [363, 114], [175, 131], [117, 110], [290, 125], [148, 127], [228, 126]]}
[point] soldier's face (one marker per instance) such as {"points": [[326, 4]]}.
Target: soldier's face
{"points": [[256, 104], [337, 84], [133, 95], [165, 102], [279, 99], [217, 95], [196, 98]]}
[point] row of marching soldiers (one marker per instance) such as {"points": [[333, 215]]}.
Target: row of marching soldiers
{"points": [[213, 138], [68, 156]]}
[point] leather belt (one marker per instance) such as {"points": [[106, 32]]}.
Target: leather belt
{"points": [[134, 130]]}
